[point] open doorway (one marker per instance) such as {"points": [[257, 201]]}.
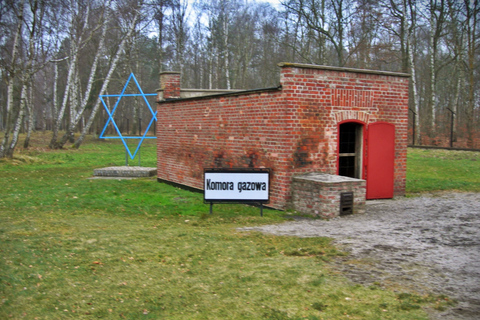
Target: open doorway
{"points": [[350, 150]]}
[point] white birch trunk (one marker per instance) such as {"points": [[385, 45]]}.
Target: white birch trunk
{"points": [[55, 94], [74, 105], [225, 53], [472, 15], [31, 120], [4, 152], [27, 97], [18, 122], [74, 51], [77, 110], [409, 15], [44, 102], [107, 80], [432, 71], [61, 112]]}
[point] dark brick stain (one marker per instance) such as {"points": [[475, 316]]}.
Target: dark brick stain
{"points": [[252, 159], [301, 156], [222, 160]]}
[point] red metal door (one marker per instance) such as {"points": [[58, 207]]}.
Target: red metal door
{"points": [[380, 160]]}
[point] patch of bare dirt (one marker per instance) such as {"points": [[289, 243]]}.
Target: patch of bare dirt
{"points": [[427, 244]]}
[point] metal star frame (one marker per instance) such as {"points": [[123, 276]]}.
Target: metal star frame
{"points": [[110, 116]]}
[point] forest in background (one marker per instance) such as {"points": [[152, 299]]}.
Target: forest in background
{"points": [[58, 56]]}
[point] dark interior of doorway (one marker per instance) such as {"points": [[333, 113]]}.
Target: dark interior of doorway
{"points": [[350, 150]]}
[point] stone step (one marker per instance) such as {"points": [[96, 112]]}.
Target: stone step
{"points": [[125, 171]]}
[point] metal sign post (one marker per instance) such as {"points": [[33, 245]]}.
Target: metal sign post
{"points": [[237, 186]]}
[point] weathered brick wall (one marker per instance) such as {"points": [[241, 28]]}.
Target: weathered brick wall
{"points": [[170, 84], [227, 131], [322, 98], [289, 130]]}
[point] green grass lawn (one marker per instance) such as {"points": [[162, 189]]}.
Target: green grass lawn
{"points": [[430, 170], [78, 248]]}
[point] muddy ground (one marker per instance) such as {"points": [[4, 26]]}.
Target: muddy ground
{"points": [[427, 244]]}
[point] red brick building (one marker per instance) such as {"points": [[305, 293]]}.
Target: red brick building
{"points": [[341, 121]]}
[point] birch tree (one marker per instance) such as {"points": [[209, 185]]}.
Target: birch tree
{"points": [[131, 25], [329, 18], [27, 80], [80, 35], [160, 8], [11, 73], [437, 20], [23, 70], [405, 12], [410, 12], [179, 33], [78, 106], [472, 13], [457, 47]]}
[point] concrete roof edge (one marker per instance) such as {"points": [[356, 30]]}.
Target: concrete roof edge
{"points": [[341, 69], [217, 95], [169, 72]]}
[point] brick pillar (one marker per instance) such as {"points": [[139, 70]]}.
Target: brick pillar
{"points": [[170, 85]]}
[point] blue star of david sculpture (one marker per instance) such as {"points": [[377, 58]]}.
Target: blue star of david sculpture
{"points": [[111, 113]]}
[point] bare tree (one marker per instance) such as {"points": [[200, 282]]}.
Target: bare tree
{"points": [[159, 8], [22, 68], [437, 21], [329, 18], [178, 33], [131, 25], [12, 69], [226, 44], [405, 12], [410, 12], [78, 106], [79, 35], [472, 13]]}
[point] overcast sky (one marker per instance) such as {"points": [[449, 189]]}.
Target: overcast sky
{"points": [[275, 3]]}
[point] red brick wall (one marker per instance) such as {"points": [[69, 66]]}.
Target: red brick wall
{"points": [[170, 84], [319, 195], [289, 130]]}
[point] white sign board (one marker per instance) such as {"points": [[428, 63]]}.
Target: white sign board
{"points": [[236, 185]]}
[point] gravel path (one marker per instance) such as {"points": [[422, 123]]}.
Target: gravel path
{"points": [[427, 244]]}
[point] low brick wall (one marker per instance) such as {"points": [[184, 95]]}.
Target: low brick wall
{"points": [[318, 194]]}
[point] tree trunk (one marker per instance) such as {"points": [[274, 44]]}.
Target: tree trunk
{"points": [[107, 80], [77, 109], [432, 96], [70, 78], [27, 91], [472, 12], [18, 122], [30, 122], [411, 61], [225, 48], [4, 151]]}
